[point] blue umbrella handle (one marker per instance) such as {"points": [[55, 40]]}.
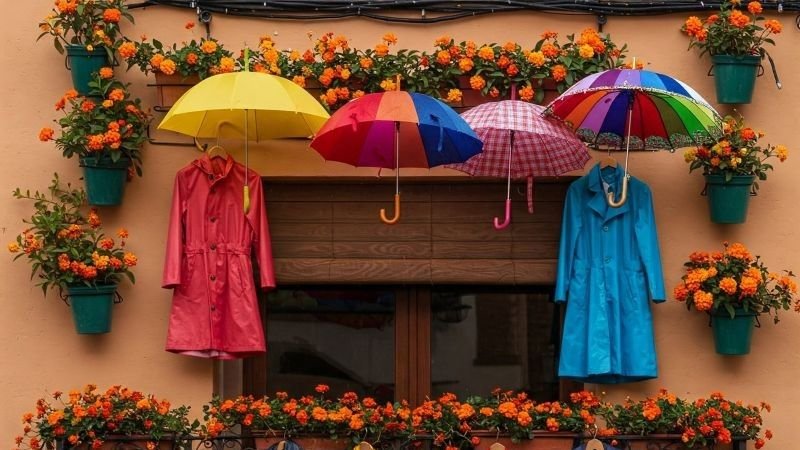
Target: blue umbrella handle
{"points": [[396, 217], [497, 224]]}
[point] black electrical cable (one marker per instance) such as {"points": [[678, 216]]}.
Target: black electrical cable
{"points": [[440, 10]]}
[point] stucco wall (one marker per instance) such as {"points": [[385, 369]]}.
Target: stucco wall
{"points": [[41, 351]]}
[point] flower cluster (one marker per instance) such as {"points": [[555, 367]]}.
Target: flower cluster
{"points": [[106, 124], [735, 279], [737, 152], [342, 73], [702, 423], [360, 419], [89, 416], [732, 31], [86, 23], [448, 421], [66, 247], [495, 69], [200, 58]]}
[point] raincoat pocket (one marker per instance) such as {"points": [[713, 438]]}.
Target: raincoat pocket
{"points": [[189, 280], [635, 293], [579, 283], [242, 273]]}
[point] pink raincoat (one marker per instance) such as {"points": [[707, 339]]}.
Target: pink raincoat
{"points": [[215, 313]]}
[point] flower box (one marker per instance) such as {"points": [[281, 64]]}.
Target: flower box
{"points": [[667, 442], [267, 439], [171, 87]]}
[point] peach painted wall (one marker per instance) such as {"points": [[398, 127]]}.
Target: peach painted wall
{"points": [[41, 351]]}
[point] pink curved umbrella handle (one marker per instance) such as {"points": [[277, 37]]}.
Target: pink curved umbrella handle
{"points": [[497, 224]]}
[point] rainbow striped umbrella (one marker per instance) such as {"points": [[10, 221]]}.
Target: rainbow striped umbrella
{"points": [[665, 113], [396, 129]]}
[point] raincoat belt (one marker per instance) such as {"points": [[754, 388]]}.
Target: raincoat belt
{"points": [[219, 248]]}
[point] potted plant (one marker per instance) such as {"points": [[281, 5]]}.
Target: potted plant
{"points": [[657, 418], [88, 31], [735, 41], [715, 421], [731, 166], [179, 67], [106, 131], [92, 419], [735, 288], [68, 250]]}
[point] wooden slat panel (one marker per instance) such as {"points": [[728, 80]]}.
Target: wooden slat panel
{"points": [[381, 270], [282, 231], [472, 271], [301, 249], [378, 231], [351, 192], [368, 212], [464, 212], [490, 191], [535, 250], [535, 231], [535, 271], [299, 212], [472, 249], [302, 270], [388, 250]]}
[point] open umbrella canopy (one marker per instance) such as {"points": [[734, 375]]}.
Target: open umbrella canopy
{"points": [[267, 106], [664, 112], [429, 133], [396, 129]]}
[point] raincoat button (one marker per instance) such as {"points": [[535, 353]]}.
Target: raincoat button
{"points": [[605, 228], [210, 177], [213, 219], [213, 308], [213, 246], [607, 259], [213, 277]]}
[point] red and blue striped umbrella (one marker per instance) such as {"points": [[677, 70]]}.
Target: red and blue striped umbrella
{"points": [[396, 129]]}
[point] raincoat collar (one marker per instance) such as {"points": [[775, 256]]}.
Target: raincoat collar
{"points": [[210, 167], [598, 202]]}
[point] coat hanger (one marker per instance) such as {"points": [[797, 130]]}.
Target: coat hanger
{"points": [[608, 161], [216, 151]]}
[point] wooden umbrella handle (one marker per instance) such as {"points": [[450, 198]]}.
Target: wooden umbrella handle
{"points": [[396, 217]]}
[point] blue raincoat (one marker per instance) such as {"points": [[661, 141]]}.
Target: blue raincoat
{"points": [[609, 266]]}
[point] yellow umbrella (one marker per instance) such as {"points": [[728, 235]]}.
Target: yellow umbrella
{"points": [[257, 105]]}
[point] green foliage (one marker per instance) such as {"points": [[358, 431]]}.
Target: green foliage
{"points": [[731, 31], [88, 24]]}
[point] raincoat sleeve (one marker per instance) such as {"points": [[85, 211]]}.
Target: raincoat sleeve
{"points": [[570, 228], [173, 261], [257, 217], [647, 241]]}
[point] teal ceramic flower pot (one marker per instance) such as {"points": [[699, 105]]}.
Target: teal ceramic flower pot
{"points": [[732, 335], [105, 179], [728, 200], [735, 77], [91, 307], [83, 64]]}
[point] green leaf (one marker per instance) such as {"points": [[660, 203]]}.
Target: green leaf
{"points": [[58, 46]]}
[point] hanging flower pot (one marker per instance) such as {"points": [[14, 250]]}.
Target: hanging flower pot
{"points": [[82, 63], [735, 77], [732, 335], [91, 307], [105, 179], [728, 199]]}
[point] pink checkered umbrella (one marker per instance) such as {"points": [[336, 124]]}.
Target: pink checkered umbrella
{"points": [[519, 143]]}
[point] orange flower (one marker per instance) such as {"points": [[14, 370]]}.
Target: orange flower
{"points": [[95, 142], [703, 301], [485, 411], [549, 50], [552, 424], [167, 67], [94, 219], [189, 25], [526, 93], [390, 38], [494, 92], [156, 60], [116, 95], [651, 410], [127, 49], [507, 409], [322, 388], [299, 80], [388, 85], [130, 259], [738, 19], [208, 46], [443, 41], [549, 35], [586, 51], [111, 15], [227, 65], [536, 58], [739, 251], [510, 46], [486, 53], [787, 283], [358, 94], [356, 422], [365, 63], [693, 25], [381, 49], [443, 57], [524, 419], [754, 7], [454, 95], [13, 247], [559, 72], [122, 233], [477, 82], [512, 70], [728, 285], [773, 26], [106, 73], [46, 134], [681, 293], [466, 64], [191, 58]]}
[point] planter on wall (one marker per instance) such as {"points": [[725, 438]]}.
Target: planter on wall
{"points": [[82, 63], [735, 77], [728, 200], [91, 307], [171, 87], [105, 179], [666, 442], [267, 440], [123, 442], [541, 441], [732, 335]]}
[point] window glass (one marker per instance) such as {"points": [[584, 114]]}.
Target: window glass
{"points": [[342, 337], [486, 339]]}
